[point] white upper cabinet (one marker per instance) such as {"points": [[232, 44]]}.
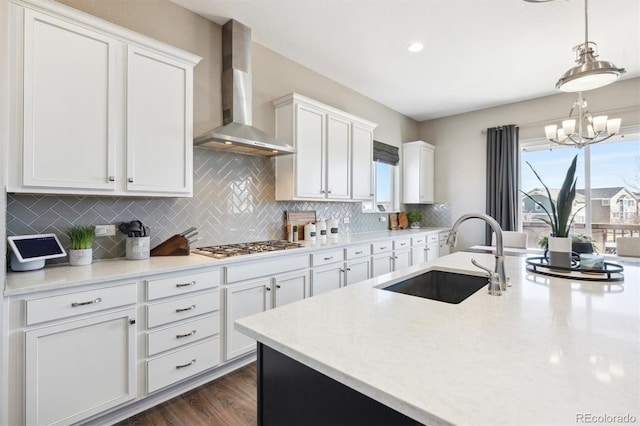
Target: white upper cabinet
{"points": [[159, 120], [334, 152], [361, 164], [99, 110], [69, 99], [418, 172]]}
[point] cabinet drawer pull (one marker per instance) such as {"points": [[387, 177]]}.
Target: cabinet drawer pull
{"points": [[186, 284], [328, 258], [90, 302], [130, 180], [359, 252], [180, 336], [192, 307], [403, 244], [193, 361], [383, 248], [112, 178]]}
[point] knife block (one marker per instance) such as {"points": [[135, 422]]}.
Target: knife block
{"points": [[174, 246]]}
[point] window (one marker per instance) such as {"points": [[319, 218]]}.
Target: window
{"points": [[612, 169], [387, 180], [387, 188]]}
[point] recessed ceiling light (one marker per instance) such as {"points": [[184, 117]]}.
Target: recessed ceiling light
{"points": [[415, 47]]}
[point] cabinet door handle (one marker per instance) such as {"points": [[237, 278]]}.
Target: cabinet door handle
{"points": [[328, 258], [130, 180], [190, 308], [359, 252], [268, 288], [193, 361], [277, 285], [180, 336], [329, 192], [394, 257], [186, 284], [112, 178], [343, 270], [348, 269], [89, 302]]}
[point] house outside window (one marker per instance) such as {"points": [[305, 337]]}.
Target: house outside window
{"points": [[609, 209]]}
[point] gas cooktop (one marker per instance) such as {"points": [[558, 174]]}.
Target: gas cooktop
{"points": [[229, 250]]}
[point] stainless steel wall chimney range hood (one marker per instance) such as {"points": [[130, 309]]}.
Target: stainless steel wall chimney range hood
{"points": [[237, 133]]}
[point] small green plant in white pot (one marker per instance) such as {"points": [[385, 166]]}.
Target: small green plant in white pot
{"points": [[81, 252], [414, 217]]}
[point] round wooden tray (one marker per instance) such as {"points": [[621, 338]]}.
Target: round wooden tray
{"points": [[611, 271]]}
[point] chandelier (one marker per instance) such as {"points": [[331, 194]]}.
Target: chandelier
{"points": [[589, 73], [582, 129]]}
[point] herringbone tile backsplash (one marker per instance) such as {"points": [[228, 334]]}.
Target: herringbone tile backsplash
{"points": [[233, 202]]}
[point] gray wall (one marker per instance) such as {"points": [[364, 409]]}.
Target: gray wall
{"points": [[461, 146]]}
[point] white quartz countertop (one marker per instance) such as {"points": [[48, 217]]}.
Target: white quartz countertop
{"points": [[64, 276], [549, 351]]}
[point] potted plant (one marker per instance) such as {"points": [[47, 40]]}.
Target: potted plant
{"points": [[582, 244], [81, 252], [559, 218], [415, 217]]}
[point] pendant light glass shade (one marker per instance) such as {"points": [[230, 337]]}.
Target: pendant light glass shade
{"points": [[589, 73]]}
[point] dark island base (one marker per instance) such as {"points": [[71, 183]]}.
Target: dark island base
{"points": [[290, 393]]}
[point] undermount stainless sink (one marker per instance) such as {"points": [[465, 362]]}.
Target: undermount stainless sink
{"points": [[443, 286]]}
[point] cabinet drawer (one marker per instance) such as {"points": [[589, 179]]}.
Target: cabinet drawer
{"points": [[358, 251], [251, 270], [181, 364], [432, 238], [326, 257], [182, 308], [419, 241], [182, 284], [381, 246], [182, 333], [68, 305], [401, 243]]}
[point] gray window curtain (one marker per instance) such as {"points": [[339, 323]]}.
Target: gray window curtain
{"points": [[503, 169]]}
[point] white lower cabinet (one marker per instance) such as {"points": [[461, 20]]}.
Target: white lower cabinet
{"points": [[183, 327], [327, 278], [357, 270], [248, 298], [79, 368], [401, 259]]}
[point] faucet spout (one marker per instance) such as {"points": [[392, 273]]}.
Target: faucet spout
{"points": [[495, 227]]}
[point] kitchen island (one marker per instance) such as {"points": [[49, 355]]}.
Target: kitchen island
{"points": [[548, 351]]}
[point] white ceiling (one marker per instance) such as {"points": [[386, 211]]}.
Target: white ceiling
{"points": [[478, 53]]}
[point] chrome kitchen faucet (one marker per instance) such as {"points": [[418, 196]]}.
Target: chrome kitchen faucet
{"points": [[499, 266]]}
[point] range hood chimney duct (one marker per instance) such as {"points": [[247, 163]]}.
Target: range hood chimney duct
{"points": [[237, 133]]}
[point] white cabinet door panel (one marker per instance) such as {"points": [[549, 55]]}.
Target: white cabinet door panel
{"points": [[338, 158], [326, 278], [362, 163], [243, 300], [358, 270], [69, 98], [310, 136], [158, 123], [67, 378], [291, 288]]}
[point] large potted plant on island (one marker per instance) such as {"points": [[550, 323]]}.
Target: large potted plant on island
{"points": [[559, 218]]}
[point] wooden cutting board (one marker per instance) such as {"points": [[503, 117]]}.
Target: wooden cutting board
{"points": [[403, 220]]}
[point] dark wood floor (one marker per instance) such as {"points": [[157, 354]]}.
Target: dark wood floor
{"points": [[229, 400]]}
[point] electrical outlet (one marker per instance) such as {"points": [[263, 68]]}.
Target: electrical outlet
{"points": [[382, 219], [105, 230], [345, 220]]}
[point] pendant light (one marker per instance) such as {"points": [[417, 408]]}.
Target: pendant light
{"points": [[589, 73]]}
